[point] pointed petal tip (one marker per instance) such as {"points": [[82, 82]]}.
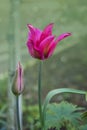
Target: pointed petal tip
{"points": [[31, 28], [29, 25], [66, 34], [69, 34], [51, 24], [62, 36], [19, 64]]}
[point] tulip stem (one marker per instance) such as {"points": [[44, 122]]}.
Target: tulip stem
{"points": [[18, 113], [40, 93]]}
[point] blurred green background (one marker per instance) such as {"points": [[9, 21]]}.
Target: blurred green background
{"points": [[68, 66]]}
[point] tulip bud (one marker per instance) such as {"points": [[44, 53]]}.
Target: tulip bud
{"points": [[18, 85]]}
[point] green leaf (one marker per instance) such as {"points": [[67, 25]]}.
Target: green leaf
{"points": [[84, 116], [62, 114], [2, 111], [84, 127], [58, 91]]}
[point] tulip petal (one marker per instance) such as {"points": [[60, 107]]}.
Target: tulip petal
{"points": [[38, 33], [34, 34], [46, 42], [31, 28], [51, 48], [31, 33], [30, 48], [44, 46], [34, 52], [47, 31], [54, 43], [62, 36], [20, 75]]}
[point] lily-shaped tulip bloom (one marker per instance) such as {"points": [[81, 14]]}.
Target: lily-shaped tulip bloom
{"points": [[18, 85], [41, 44]]}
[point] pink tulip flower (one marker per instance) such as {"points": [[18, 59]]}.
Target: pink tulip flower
{"points": [[41, 44]]}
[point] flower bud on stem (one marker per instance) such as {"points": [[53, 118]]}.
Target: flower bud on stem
{"points": [[17, 89], [18, 85]]}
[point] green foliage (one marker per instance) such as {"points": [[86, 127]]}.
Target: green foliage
{"points": [[3, 88], [3, 116], [84, 117], [32, 112], [31, 116], [3, 103], [83, 127], [63, 115]]}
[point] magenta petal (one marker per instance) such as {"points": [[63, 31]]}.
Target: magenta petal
{"points": [[51, 48], [34, 34], [31, 33], [34, 30], [47, 31], [45, 43], [20, 76], [30, 49], [38, 33], [31, 28], [34, 52], [62, 36]]}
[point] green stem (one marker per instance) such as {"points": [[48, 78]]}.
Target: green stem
{"points": [[40, 93], [18, 113]]}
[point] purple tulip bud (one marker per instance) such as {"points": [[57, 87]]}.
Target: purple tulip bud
{"points": [[18, 84]]}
